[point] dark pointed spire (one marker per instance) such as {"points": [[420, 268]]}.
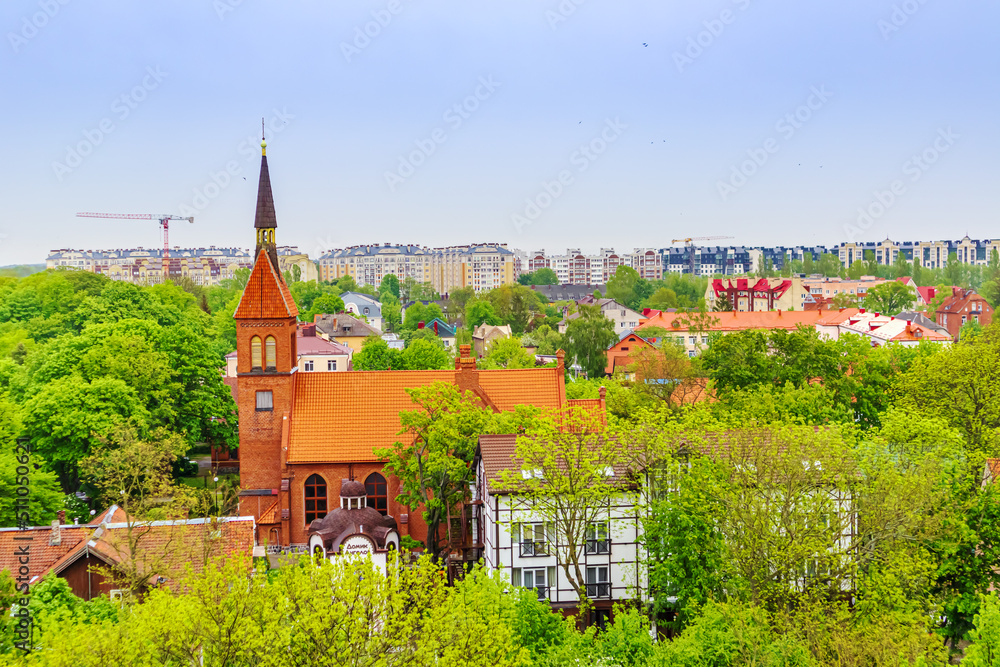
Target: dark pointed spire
{"points": [[265, 220]]}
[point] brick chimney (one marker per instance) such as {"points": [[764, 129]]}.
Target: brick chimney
{"points": [[55, 534], [62, 517], [420, 325]]}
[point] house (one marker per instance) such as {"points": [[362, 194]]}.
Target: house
{"points": [[746, 294], [618, 354], [515, 539], [961, 307], [884, 329], [163, 549], [301, 434], [346, 329], [485, 334], [922, 320], [364, 306], [568, 292], [315, 354], [447, 333], [624, 318], [694, 337]]}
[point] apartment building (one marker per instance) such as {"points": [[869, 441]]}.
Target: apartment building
{"points": [[931, 254], [145, 266], [481, 266]]}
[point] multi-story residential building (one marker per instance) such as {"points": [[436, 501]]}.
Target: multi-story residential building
{"points": [[824, 289], [369, 264], [962, 307], [931, 254], [749, 294], [482, 266], [144, 266]]}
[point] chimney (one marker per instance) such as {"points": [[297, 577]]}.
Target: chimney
{"points": [[420, 325], [862, 311], [62, 517], [561, 360], [55, 536], [779, 312]]}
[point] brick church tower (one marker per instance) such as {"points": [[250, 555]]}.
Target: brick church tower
{"points": [[266, 361]]}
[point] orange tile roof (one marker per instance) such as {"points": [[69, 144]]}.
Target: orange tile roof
{"points": [[43, 556], [266, 295], [342, 417], [764, 319]]}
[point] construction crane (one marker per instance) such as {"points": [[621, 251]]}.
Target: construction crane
{"points": [[164, 220], [690, 246]]}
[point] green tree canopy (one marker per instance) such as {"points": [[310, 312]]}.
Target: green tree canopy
{"points": [[588, 338]]}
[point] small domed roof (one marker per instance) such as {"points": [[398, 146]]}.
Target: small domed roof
{"points": [[352, 489]]}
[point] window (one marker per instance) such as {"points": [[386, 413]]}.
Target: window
{"points": [[256, 356], [704, 340], [265, 401], [315, 498], [531, 537], [377, 490], [538, 578], [271, 348], [693, 340], [331, 365], [598, 585], [308, 366], [597, 538]]}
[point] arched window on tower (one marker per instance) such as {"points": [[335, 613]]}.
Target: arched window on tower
{"points": [[256, 353], [271, 347], [315, 498], [377, 491]]}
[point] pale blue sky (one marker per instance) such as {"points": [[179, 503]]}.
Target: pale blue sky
{"points": [[554, 82]]}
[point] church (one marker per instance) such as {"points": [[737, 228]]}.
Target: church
{"points": [[303, 435]]}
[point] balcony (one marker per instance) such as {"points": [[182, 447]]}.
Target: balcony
{"points": [[533, 548], [599, 590], [599, 546], [543, 592]]}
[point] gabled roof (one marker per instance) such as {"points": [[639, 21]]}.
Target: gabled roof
{"points": [[344, 325], [763, 319], [266, 296], [342, 417], [441, 328]]}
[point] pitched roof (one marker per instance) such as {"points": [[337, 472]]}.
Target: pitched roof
{"points": [[343, 325], [266, 296], [342, 417], [763, 319]]}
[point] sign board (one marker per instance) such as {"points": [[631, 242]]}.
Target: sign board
{"points": [[357, 545]]}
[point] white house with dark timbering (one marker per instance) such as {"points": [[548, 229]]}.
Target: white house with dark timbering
{"points": [[515, 539]]}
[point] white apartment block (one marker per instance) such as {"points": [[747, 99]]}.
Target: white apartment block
{"points": [[144, 266]]}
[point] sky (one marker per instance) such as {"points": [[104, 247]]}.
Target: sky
{"points": [[542, 124]]}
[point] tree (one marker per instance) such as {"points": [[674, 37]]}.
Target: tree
{"points": [[575, 474], [627, 287], [392, 314], [508, 353], [542, 276], [443, 433], [663, 299], [21, 468], [425, 354], [664, 373], [135, 474], [844, 300], [901, 268], [389, 285], [890, 298], [514, 305], [322, 305], [955, 272], [376, 355], [829, 265], [418, 312], [479, 312], [588, 338]]}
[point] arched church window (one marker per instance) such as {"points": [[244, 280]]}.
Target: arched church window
{"points": [[377, 489], [256, 355], [271, 347], [315, 498]]}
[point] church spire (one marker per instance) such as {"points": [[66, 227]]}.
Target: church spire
{"points": [[265, 221]]}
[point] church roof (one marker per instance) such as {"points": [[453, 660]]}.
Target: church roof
{"points": [[342, 417], [265, 217], [266, 295]]}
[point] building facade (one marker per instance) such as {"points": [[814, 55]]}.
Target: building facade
{"points": [[144, 266]]}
